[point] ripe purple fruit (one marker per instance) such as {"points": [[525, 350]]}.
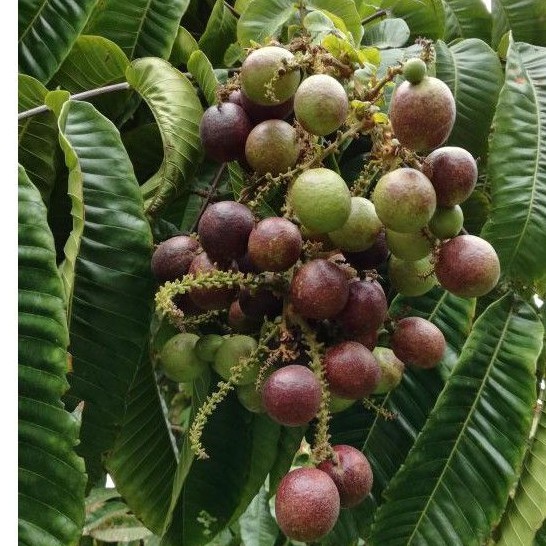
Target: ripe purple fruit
{"points": [[319, 290], [351, 370], [275, 244], [291, 395], [467, 266], [422, 115], [352, 474], [307, 504], [172, 258], [262, 302], [259, 112], [223, 130], [373, 257], [418, 342], [224, 229]]}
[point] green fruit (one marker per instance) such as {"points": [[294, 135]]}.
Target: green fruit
{"points": [[414, 70], [321, 200], [392, 369], [260, 70], [409, 246], [207, 346], [250, 398], [360, 230], [411, 278], [447, 222], [321, 104], [338, 404], [232, 350], [179, 360], [404, 200]]}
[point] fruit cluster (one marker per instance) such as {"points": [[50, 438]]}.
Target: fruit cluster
{"points": [[297, 299]]}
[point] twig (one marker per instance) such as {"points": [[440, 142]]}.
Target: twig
{"points": [[231, 9], [377, 15], [211, 192]]}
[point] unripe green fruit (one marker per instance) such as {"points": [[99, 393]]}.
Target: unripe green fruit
{"points": [[338, 404], [409, 246], [232, 350], [447, 222], [404, 200], [361, 229], [414, 70], [250, 398], [411, 278], [272, 147], [321, 200], [179, 360], [260, 70], [321, 104], [207, 346], [392, 369]]}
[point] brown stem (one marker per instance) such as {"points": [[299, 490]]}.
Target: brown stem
{"points": [[377, 15], [211, 192]]}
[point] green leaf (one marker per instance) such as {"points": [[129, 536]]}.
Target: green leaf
{"points": [[473, 72], [177, 111], [289, 443], [527, 510], [37, 136], [184, 45], [202, 71], [121, 528], [457, 477], [145, 149], [540, 538], [424, 17], [47, 31], [51, 477], [525, 18], [258, 528], [515, 172], [95, 62], [476, 211], [221, 31], [107, 275], [467, 19], [387, 34], [263, 19], [141, 27]]}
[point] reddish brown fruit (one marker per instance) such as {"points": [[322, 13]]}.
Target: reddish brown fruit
{"points": [[453, 173], [468, 266], [275, 244], [291, 395], [307, 504], [259, 112], [224, 229], [366, 307], [418, 342], [260, 303], [368, 339], [351, 370], [210, 298], [239, 322], [351, 473], [172, 258], [373, 257], [319, 290], [223, 131]]}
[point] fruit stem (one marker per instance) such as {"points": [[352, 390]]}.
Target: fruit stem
{"points": [[373, 93], [211, 192]]}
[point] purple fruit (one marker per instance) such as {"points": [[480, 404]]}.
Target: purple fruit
{"points": [[172, 258]]}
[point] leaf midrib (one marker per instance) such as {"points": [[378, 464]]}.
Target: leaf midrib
{"points": [[464, 427], [38, 13], [141, 24]]}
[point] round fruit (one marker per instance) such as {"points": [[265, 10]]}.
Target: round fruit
{"points": [[172, 258], [409, 246], [392, 370], [368, 339], [372, 258], [319, 290], [361, 229], [404, 200], [224, 229], [468, 266], [239, 322], [272, 147], [422, 115], [207, 346], [258, 112], [418, 342], [210, 298], [262, 302], [414, 70], [321, 104], [338, 404], [411, 278], [366, 308], [275, 244], [250, 398], [233, 349], [291, 395], [307, 504], [179, 360], [453, 173], [352, 474], [223, 130], [260, 72], [321, 200], [447, 222], [351, 370]]}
